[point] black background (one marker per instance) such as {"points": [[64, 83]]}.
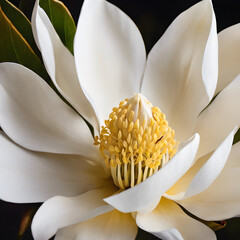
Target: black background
{"points": [[152, 18]]}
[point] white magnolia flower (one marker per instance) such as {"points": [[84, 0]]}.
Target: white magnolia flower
{"points": [[47, 150]]}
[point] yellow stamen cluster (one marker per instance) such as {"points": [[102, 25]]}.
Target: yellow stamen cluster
{"points": [[135, 148]]}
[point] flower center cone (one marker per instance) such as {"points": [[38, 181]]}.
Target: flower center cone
{"points": [[136, 141]]}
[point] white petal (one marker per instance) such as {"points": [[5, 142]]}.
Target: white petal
{"points": [[113, 225], [110, 55], [59, 212], [233, 160], [220, 201], [229, 56], [60, 65], [27, 176], [178, 190], [145, 195], [203, 173], [217, 120], [169, 222], [213, 167], [34, 116], [181, 71]]}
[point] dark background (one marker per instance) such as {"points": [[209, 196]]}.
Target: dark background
{"points": [[152, 18]]}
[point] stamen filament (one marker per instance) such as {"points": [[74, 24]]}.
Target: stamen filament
{"points": [[132, 172], [126, 177], [145, 173], [139, 172], [119, 178]]}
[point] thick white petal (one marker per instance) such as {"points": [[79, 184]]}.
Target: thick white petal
{"points": [[59, 212], [60, 65], [229, 56], [34, 116], [27, 176], [234, 159], [203, 172], [217, 120], [110, 55], [181, 71], [145, 196], [113, 225], [220, 201], [169, 222], [213, 167], [178, 190]]}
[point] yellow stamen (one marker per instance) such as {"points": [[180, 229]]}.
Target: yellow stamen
{"points": [[136, 141]]}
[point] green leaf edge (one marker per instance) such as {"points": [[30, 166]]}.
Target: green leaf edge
{"points": [[39, 68], [64, 30], [23, 26]]}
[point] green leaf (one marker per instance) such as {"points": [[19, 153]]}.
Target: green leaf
{"points": [[14, 48], [237, 137], [20, 22], [215, 226], [62, 21], [27, 219]]}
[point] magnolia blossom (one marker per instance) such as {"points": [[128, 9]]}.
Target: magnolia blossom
{"points": [[146, 160]]}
